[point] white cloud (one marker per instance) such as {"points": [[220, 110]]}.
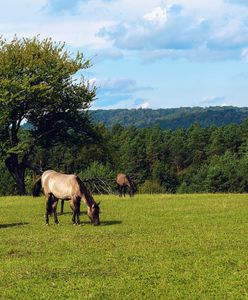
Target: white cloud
{"points": [[178, 31], [119, 86], [119, 92], [181, 28], [144, 105], [212, 101], [158, 15]]}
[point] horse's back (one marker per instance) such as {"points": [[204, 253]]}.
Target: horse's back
{"points": [[62, 186]]}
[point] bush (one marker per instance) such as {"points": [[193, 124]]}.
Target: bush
{"points": [[151, 187], [7, 185], [183, 188], [99, 178]]}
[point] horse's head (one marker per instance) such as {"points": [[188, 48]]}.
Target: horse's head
{"points": [[93, 213], [131, 192]]}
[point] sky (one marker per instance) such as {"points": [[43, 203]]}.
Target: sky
{"points": [[146, 53]]}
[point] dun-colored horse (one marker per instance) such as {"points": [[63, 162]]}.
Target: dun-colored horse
{"points": [[124, 182], [66, 187]]}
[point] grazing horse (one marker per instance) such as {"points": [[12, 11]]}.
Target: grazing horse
{"points": [[66, 187], [124, 182]]}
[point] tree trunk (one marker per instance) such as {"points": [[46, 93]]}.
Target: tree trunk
{"points": [[17, 171]]}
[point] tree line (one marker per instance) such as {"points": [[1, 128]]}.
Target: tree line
{"points": [[172, 118], [45, 123], [193, 160]]}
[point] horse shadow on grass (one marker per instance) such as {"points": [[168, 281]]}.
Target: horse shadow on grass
{"points": [[70, 213], [109, 223], [13, 224], [84, 213], [103, 223], [65, 213]]}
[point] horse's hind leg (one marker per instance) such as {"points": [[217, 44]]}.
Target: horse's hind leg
{"points": [[55, 203], [49, 203]]}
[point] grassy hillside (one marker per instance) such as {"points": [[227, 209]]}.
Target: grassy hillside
{"points": [[148, 247], [172, 118]]}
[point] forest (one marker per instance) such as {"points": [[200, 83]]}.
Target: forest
{"points": [[46, 122], [193, 160], [171, 118]]}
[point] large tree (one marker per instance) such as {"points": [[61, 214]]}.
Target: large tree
{"points": [[38, 86]]}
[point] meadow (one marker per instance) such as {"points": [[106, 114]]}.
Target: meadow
{"points": [[147, 247]]}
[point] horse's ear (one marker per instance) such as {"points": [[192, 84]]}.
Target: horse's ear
{"points": [[99, 203]]}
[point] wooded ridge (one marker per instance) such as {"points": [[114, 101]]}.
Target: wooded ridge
{"points": [[171, 118]]}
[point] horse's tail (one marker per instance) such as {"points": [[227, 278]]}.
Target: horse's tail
{"points": [[37, 188]]}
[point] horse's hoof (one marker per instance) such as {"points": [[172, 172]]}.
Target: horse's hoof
{"points": [[47, 224]]}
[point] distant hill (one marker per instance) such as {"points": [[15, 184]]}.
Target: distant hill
{"points": [[172, 118]]}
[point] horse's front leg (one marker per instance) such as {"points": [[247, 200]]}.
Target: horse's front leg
{"points": [[124, 190], [121, 193], [78, 210], [73, 213], [47, 217], [62, 207], [119, 190], [74, 210], [75, 205]]}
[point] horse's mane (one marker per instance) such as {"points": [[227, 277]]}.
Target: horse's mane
{"points": [[84, 191]]}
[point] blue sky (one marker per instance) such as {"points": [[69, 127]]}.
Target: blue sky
{"points": [[147, 53]]}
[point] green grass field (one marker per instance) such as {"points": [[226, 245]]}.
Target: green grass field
{"points": [[147, 247]]}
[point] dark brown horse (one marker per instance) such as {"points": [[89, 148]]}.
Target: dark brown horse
{"points": [[66, 187], [124, 182]]}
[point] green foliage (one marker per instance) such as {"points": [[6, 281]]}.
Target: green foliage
{"points": [[37, 86], [7, 185], [148, 247], [193, 160], [99, 178], [172, 118], [97, 170], [151, 187], [183, 188]]}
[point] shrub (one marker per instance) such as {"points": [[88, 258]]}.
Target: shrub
{"points": [[151, 187], [7, 185], [183, 188], [99, 178]]}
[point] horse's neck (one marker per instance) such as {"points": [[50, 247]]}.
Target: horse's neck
{"points": [[129, 183], [87, 198]]}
